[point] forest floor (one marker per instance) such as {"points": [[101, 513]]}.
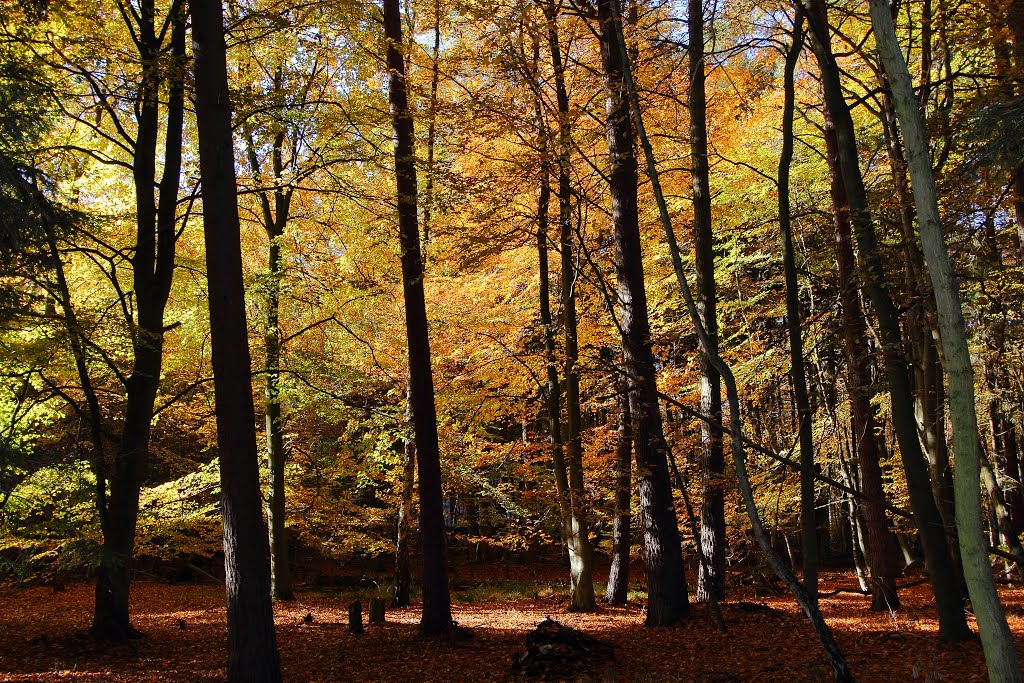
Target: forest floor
{"points": [[43, 637]]}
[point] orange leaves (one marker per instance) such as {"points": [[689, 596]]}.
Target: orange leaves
{"points": [[42, 637]]}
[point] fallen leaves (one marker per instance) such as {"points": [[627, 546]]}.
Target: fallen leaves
{"points": [[43, 637]]}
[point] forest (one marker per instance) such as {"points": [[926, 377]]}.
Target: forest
{"points": [[618, 340]]}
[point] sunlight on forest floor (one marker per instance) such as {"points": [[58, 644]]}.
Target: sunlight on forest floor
{"points": [[42, 638]]}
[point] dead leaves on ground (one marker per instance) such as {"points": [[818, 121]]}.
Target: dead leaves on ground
{"points": [[43, 637]]}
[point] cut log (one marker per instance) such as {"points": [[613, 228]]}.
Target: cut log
{"points": [[355, 617], [376, 610]]}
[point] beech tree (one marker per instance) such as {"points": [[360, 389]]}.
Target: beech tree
{"points": [[252, 643], [437, 614], [1000, 653]]}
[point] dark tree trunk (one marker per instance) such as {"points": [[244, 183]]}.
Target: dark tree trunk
{"points": [[882, 549], [252, 645], [618, 575], [711, 582], [808, 523], [152, 272], [275, 220], [1003, 531], [437, 613], [666, 582], [953, 623]]}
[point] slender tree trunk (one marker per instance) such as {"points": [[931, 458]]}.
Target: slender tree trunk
{"points": [[403, 542], [618, 575], [252, 645], [275, 219], [926, 365], [882, 551], [280, 573], [581, 562], [1000, 654], [152, 271], [552, 390], [952, 621], [437, 613], [667, 601], [808, 525], [435, 73], [712, 509]]}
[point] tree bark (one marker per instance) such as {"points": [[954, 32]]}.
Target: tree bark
{"points": [[252, 645], [403, 541], [667, 601], [275, 220], [437, 613], [711, 582], [997, 641]]}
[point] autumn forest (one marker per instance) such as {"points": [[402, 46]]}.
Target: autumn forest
{"points": [[619, 340]]}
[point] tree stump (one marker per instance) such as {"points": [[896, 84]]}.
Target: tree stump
{"points": [[355, 617], [376, 610]]}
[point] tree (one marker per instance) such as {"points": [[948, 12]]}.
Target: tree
{"points": [[581, 558], [836, 660], [666, 581], [437, 614], [712, 510], [275, 220], [808, 526], [618, 574], [1000, 653], [252, 644], [161, 54]]}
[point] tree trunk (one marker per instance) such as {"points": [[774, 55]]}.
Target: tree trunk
{"points": [[952, 621], [711, 582], [275, 220], [926, 366], [437, 613], [808, 525], [252, 646], [667, 601], [1004, 531], [152, 272], [435, 73], [618, 575], [552, 390], [882, 548], [403, 540], [1000, 654], [581, 562]]}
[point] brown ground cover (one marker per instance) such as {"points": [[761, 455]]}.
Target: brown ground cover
{"points": [[43, 638]]}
